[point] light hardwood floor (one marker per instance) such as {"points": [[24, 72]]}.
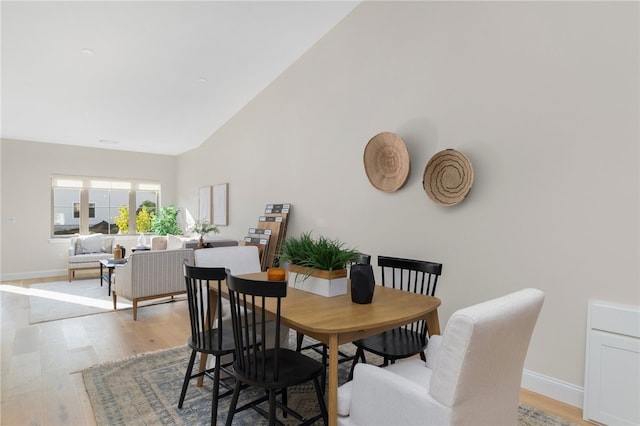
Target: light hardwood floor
{"points": [[41, 382]]}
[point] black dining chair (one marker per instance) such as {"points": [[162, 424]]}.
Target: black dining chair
{"points": [[415, 276], [207, 334], [266, 366]]}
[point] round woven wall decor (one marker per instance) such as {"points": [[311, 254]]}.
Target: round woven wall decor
{"points": [[448, 177], [386, 161]]}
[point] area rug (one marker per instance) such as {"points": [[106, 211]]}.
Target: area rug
{"points": [[144, 390], [62, 299]]}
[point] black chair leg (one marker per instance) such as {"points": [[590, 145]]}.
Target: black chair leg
{"points": [[358, 356], [284, 402], [323, 405], [187, 377], [325, 358], [299, 338], [234, 403], [216, 389], [272, 407]]}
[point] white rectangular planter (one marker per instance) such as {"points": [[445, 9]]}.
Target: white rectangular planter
{"points": [[335, 286]]}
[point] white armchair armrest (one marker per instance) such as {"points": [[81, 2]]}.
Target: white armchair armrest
{"points": [[124, 280], [381, 397], [433, 349], [72, 247]]}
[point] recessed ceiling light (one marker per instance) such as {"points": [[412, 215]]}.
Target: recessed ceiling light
{"points": [[108, 142], [87, 51], [202, 80]]}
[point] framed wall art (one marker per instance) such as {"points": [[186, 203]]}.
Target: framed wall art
{"points": [[204, 204], [221, 204]]}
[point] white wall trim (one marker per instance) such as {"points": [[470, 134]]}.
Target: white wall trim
{"points": [[553, 388]]}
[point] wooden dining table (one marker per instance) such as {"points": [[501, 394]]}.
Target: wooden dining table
{"points": [[337, 320]]}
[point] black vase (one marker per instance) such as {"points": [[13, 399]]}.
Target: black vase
{"points": [[362, 283]]}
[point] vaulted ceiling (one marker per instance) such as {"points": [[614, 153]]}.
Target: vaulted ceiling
{"points": [[146, 76]]}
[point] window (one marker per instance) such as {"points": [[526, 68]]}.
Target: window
{"points": [[88, 205], [76, 210]]}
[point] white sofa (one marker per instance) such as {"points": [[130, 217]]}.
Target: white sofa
{"points": [[85, 252], [151, 274]]}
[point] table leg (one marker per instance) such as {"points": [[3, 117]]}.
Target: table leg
{"points": [[109, 284], [433, 323], [101, 272], [213, 303], [203, 366], [332, 401]]}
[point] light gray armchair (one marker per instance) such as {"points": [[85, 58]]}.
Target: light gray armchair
{"points": [[151, 274], [472, 374]]}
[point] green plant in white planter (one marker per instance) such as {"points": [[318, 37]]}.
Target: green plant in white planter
{"points": [[202, 228], [317, 264]]}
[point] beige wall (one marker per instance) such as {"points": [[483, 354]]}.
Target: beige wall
{"points": [[27, 167], [543, 98]]}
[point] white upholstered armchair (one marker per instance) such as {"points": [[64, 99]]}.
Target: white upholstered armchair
{"points": [[239, 260], [472, 375]]}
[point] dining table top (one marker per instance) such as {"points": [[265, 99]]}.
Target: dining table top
{"points": [[319, 315]]}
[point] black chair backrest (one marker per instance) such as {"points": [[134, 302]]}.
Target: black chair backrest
{"points": [[253, 360], [199, 282], [416, 276]]}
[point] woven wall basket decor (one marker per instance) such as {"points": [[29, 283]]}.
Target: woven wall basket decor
{"points": [[448, 177], [386, 161]]}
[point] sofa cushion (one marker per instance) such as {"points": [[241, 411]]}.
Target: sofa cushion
{"points": [[174, 242], [88, 258], [91, 244], [107, 244]]}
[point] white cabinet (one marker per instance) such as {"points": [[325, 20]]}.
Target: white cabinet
{"points": [[612, 373]]}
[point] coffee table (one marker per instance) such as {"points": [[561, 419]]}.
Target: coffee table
{"points": [[110, 264]]}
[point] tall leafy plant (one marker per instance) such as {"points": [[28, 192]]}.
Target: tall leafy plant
{"points": [[165, 221], [317, 253], [144, 219], [122, 220]]}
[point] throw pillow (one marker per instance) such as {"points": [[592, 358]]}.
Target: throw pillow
{"points": [[91, 243], [77, 246], [107, 245], [158, 243], [174, 242]]}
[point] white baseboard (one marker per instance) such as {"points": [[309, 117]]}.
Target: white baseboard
{"points": [[553, 388], [34, 274]]}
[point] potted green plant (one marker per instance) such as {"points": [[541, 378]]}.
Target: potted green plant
{"points": [[165, 221], [202, 228], [318, 264]]}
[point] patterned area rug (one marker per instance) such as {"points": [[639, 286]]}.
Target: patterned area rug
{"points": [[63, 299], [144, 390]]}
